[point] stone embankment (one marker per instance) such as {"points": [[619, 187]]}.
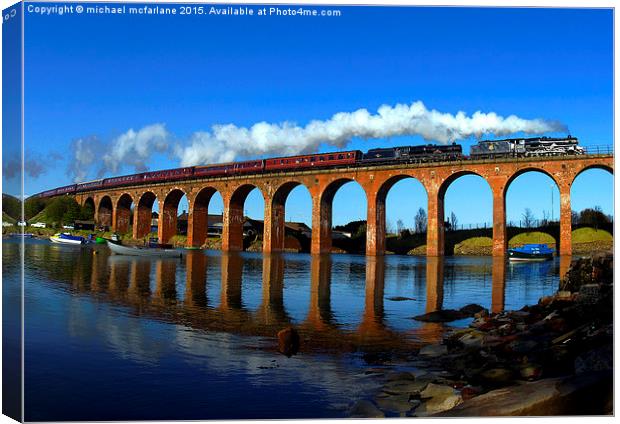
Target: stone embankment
{"points": [[552, 358]]}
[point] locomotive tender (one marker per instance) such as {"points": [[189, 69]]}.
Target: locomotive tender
{"points": [[484, 149]]}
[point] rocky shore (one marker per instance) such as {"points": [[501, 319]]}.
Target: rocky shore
{"points": [[552, 358]]}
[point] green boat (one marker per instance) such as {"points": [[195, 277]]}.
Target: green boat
{"points": [[100, 240]]}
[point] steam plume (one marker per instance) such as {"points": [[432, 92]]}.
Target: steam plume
{"points": [[226, 142], [135, 148]]}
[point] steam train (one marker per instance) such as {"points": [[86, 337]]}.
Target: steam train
{"points": [[511, 147], [526, 147]]}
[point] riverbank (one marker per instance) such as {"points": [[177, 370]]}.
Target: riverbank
{"points": [[552, 358]]}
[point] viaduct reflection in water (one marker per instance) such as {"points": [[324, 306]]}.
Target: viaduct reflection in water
{"points": [[155, 288]]}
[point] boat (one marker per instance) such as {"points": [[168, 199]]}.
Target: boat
{"points": [[66, 238], [119, 249], [530, 252], [24, 235], [100, 240]]}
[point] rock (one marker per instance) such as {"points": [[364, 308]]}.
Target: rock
{"points": [[399, 298], [405, 387], [400, 376], [472, 340], [522, 346], [600, 359], [469, 392], [436, 390], [441, 398], [497, 376], [531, 372], [397, 403], [365, 409], [288, 341], [580, 395], [471, 309], [433, 351], [442, 315]]}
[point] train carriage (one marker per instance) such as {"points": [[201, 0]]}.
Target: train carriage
{"points": [[70, 189], [123, 180], [90, 185], [312, 161]]}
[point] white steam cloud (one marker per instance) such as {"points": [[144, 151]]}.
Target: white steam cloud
{"points": [[226, 142], [131, 149], [135, 148]]}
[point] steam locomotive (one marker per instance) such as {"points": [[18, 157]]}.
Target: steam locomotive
{"points": [[511, 147], [526, 147]]}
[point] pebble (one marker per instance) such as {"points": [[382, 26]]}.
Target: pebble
{"points": [[400, 375]]}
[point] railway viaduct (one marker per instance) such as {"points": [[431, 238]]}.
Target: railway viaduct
{"points": [[113, 206]]}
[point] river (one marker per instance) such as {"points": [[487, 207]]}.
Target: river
{"points": [[120, 338]]}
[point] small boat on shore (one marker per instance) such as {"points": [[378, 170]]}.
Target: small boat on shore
{"points": [[66, 238], [21, 235], [119, 249], [530, 252]]}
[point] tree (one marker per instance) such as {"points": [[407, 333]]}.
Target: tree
{"points": [[33, 206], [453, 221], [528, 218], [420, 221], [593, 217], [11, 206], [400, 225], [574, 217]]}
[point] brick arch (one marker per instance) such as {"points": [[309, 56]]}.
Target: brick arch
{"points": [[275, 214], [527, 169], [104, 211], [142, 214], [445, 184], [435, 235], [376, 215], [604, 167], [89, 201], [198, 225], [322, 214], [167, 227], [122, 215], [232, 234]]}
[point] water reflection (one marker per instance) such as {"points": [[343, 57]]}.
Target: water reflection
{"points": [[498, 292], [178, 290]]}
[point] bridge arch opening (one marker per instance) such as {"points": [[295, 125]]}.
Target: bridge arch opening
{"points": [[592, 214], [289, 227], [124, 214], [465, 214], [168, 222], [104, 213], [245, 225], [532, 201], [144, 215], [401, 207], [88, 208], [342, 218], [205, 220]]}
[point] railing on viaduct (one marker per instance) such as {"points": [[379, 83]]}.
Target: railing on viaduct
{"points": [[113, 206]]}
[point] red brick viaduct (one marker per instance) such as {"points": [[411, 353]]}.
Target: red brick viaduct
{"points": [[113, 206]]}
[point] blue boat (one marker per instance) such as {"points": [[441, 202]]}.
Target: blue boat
{"points": [[530, 252], [66, 238]]}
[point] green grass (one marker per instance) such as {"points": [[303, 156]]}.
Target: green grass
{"points": [[476, 242], [533, 237], [7, 218], [589, 235]]}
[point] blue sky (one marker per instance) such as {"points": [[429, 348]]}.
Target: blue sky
{"points": [[97, 76]]}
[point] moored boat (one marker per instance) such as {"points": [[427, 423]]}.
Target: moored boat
{"points": [[21, 235], [100, 240], [530, 252], [66, 238], [119, 249]]}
